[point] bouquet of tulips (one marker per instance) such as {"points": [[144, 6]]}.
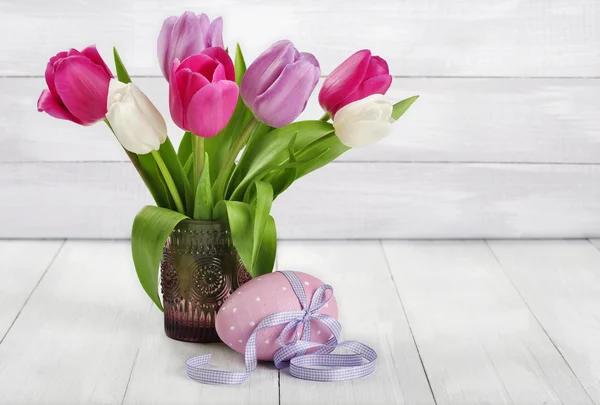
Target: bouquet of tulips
{"points": [[228, 112]]}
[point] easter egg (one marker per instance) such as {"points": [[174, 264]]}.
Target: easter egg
{"points": [[263, 296]]}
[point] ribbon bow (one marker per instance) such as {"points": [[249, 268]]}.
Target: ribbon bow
{"points": [[293, 353]]}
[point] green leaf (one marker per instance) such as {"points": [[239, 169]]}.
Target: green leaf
{"points": [[185, 148], [122, 74], [239, 215], [184, 187], [264, 199], [320, 154], [252, 230], [271, 149], [240, 65], [188, 169], [151, 229], [268, 249], [401, 107], [203, 205], [155, 182]]}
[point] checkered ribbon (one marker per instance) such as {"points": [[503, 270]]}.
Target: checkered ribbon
{"points": [[322, 365]]}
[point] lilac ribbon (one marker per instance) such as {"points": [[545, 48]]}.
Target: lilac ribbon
{"points": [[293, 354]]}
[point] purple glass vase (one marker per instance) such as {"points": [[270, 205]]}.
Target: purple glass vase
{"points": [[200, 268]]}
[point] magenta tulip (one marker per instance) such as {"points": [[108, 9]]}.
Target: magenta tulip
{"points": [[187, 35], [277, 85], [77, 86], [359, 76], [202, 92]]}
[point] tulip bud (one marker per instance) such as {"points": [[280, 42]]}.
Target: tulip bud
{"points": [[187, 35], [202, 92], [77, 86], [136, 122], [357, 77], [364, 122], [277, 85]]}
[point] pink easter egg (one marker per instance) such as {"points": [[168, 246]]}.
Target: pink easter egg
{"points": [[263, 296]]}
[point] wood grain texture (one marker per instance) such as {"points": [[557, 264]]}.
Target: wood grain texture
{"points": [[431, 37], [370, 312], [158, 376], [343, 200], [23, 265], [76, 340], [455, 120], [560, 281], [479, 342]]}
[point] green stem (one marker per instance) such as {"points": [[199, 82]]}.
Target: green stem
{"points": [[220, 182], [198, 146], [325, 117], [169, 180]]}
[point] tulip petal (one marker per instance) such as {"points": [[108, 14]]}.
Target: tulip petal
{"points": [[211, 108], [53, 107], [200, 63], [285, 100], [175, 104], [92, 54], [187, 36], [344, 80], [188, 84], [224, 59], [152, 116], [83, 88], [132, 129], [365, 133], [116, 92], [374, 85], [377, 67], [219, 74], [266, 69], [214, 35], [163, 45], [50, 69], [310, 58], [361, 109]]}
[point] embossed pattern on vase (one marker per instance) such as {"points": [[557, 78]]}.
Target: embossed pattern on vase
{"points": [[199, 270]]}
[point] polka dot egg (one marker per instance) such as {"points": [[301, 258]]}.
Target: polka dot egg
{"points": [[263, 296]]}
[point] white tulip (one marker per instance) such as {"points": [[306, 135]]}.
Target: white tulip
{"points": [[136, 122], [365, 121]]}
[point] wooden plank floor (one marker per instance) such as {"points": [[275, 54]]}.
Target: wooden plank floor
{"points": [[453, 322]]}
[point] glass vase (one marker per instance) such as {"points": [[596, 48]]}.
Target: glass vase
{"points": [[200, 268]]}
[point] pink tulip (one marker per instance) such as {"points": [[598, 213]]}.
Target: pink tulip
{"points": [[77, 86], [359, 76], [202, 92], [187, 35], [277, 85]]}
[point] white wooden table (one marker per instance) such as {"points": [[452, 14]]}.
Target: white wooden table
{"points": [[462, 322]]}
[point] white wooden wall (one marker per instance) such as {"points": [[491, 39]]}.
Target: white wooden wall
{"points": [[504, 142]]}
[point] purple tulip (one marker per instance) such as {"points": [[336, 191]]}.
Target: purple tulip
{"points": [[77, 86], [202, 92], [187, 35], [277, 85]]}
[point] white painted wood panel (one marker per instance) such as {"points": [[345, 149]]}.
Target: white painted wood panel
{"points": [[456, 120], [343, 200], [158, 376], [23, 265], [560, 281], [432, 37], [76, 340], [370, 312], [479, 342]]}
